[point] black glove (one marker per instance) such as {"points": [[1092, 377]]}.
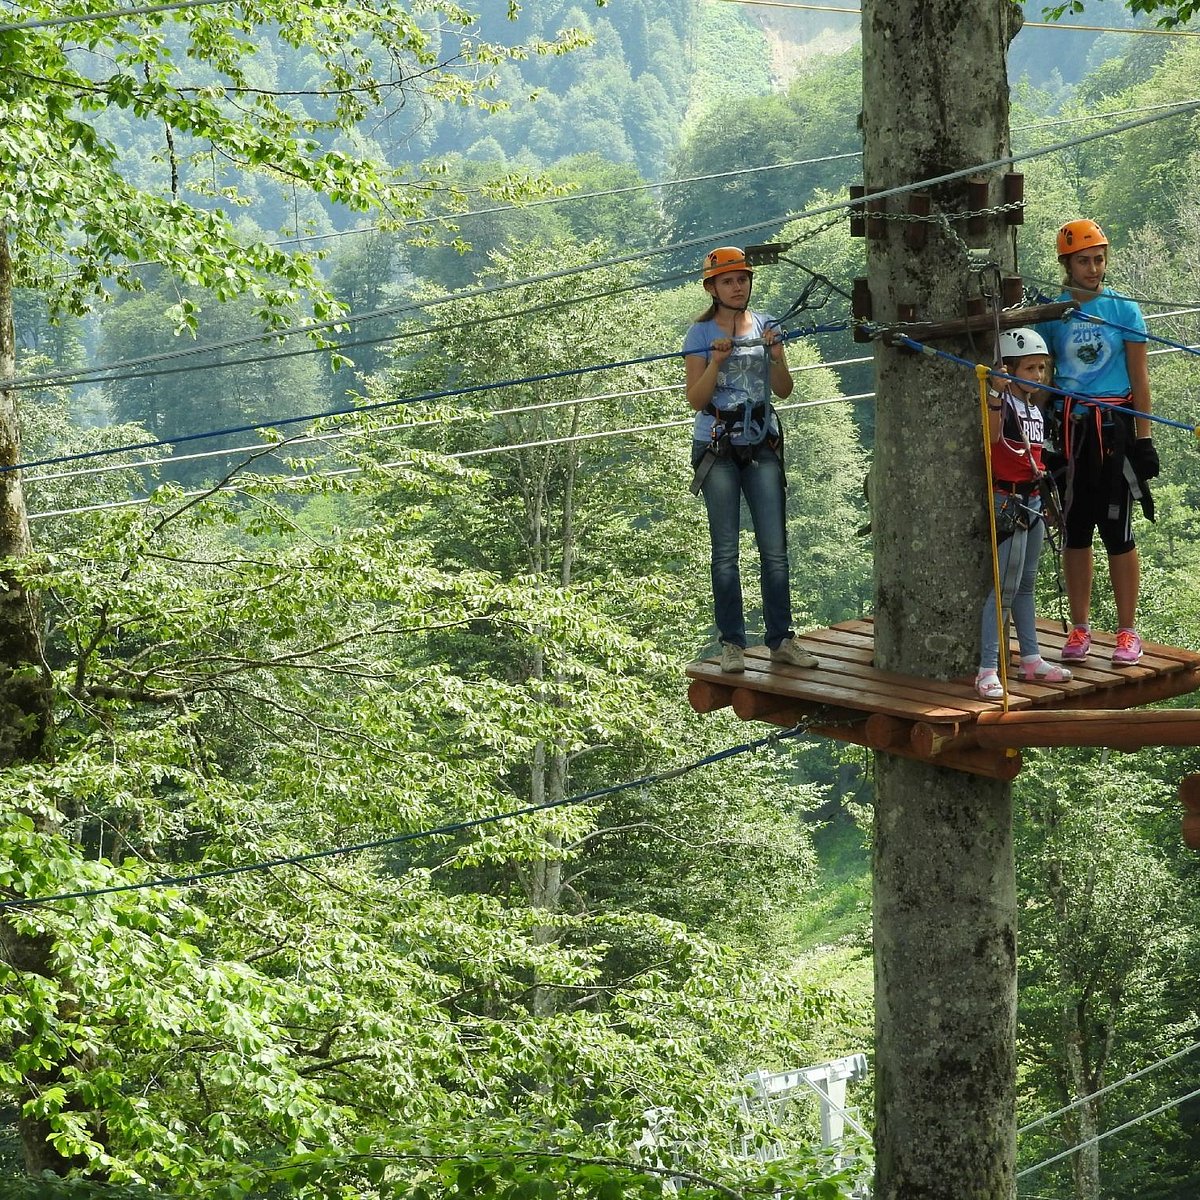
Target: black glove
{"points": [[1054, 463], [1144, 458]]}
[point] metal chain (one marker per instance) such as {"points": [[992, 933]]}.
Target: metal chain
{"points": [[938, 218], [944, 219], [818, 229]]}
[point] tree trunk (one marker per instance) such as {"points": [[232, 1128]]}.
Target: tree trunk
{"points": [[24, 687], [543, 879], [1085, 1059], [25, 697], [935, 102]]}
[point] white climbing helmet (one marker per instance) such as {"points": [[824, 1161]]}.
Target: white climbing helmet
{"points": [[1017, 343]]}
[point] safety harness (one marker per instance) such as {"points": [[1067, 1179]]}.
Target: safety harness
{"points": [[1098, 441], [751, 421]]}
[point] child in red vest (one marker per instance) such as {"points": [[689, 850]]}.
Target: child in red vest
{"points": [[1016, 432]]}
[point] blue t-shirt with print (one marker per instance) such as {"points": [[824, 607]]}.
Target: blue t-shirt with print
{"points": [[743, 376], [1089, 359]]}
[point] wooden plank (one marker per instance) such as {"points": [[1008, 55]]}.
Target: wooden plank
{"points": [[1009, 318], [1160, 657], [1189, 793], [1119, 729], [992, 764], [753, 705], [1139, 692], [944, 722], [930, 740], [855, 676], [1190, 827], [886, 732], [706, 695], [868, 695]]}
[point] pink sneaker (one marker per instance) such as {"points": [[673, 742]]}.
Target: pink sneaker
{"points": [[1128, 649], [1041, 671], [1077, 645]]}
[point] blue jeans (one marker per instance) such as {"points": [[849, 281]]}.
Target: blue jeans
{"points": [[761, 482], [1018, 563]]}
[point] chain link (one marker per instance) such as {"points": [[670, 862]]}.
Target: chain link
{"points": [[818, 229], [943, 220], [938, 218]]}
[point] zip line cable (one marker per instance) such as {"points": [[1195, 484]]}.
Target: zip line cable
{"points": [[394, 336], [344, 472], [198, 877], [340, 434], [101, 374], [1173, 347], [337, 435], [1093, 401], [376, 406], [441, 218], [112, 14], [1058, 1112], [1154, 1112], [403, 426], [653, 185], [348, 413], [137, 502], [1058, 25], [733, 235]]}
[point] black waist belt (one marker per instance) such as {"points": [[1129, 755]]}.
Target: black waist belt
{"points": [[1025, 488]]}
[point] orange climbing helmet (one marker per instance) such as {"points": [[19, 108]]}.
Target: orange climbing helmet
{"points": [[1079, 235], [725, 258]]}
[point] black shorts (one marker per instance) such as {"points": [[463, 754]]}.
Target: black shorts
{"points": [[1091, 510]]}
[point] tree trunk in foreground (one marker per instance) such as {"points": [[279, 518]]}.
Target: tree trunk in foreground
{"points": [[25, 697], [24, 689], [936, 101]]}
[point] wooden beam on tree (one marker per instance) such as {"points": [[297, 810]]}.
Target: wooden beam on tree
{"points": [[984, 322], [1119, 729], [705, 696]]}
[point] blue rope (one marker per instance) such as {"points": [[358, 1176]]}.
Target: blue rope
{"points": [[470, 389], [1083, 398], [198, 877], [1080, 315]]}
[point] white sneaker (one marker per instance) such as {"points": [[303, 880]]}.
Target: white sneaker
{"points": [[733, 658], [791, 652]]}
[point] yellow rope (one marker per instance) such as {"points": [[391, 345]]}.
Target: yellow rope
{"points": [[981, 373]]}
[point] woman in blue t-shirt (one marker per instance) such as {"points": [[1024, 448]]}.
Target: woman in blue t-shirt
{"points": [[737, 451], [1109, 453]]}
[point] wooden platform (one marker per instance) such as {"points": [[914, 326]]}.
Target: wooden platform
{"points": [[946, 723]]}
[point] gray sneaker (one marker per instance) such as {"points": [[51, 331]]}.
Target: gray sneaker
{"points": [[791, 652], [733, 658]]}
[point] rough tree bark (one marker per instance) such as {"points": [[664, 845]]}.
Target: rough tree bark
{"points": [[25, 693], [935, 102], [24, 688]]}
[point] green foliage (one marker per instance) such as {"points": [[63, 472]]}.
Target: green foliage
{"points": [[220, 708], [817, 118], [1146, 169], [726, 35], [224, 388], [89, 213], [1169, 13]]}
